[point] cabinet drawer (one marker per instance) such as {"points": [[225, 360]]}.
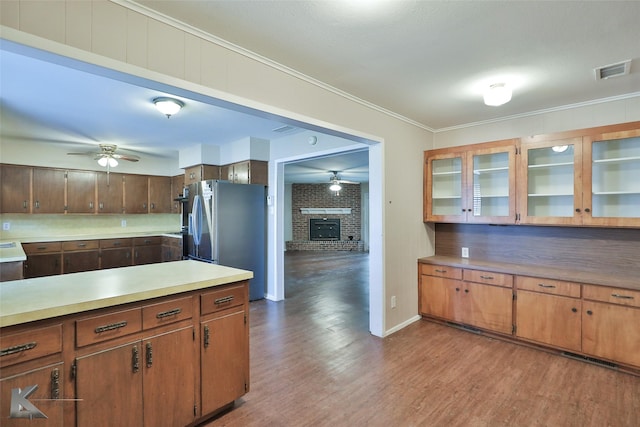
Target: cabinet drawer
{"points": [[547, 286], [115, 243], [79, 245], [43, 247], [612, 295], [441, 271], [29, 345], [166, 312], [108, 326], [146, 241], [488, 277], [211, 302]]}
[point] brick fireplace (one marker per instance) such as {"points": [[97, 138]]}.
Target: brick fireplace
{"points": [[339, 218]]}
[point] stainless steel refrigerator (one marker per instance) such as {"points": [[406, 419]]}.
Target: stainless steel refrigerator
{"points": [[226, 225]]}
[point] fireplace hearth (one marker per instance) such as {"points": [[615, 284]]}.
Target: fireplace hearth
{"points": [[324, 229]]}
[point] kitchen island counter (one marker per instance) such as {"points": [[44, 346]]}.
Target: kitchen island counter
{"points": [[29, 300]]}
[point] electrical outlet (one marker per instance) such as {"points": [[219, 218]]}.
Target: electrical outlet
{"points": [[465, 252], [123, 223], [6, 226], [393, 301]]}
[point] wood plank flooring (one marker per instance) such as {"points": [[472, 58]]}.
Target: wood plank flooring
{"points": [[314, 363]]}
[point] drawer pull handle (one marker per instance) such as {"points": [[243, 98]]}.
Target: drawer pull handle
{"points": [[206, 336], [82, 245], [440, 271], [487, 277], [542, 285], [55, 384], [17, 348], [168, 313], [622, 296], [149, 355], [117, 243], [223, 300], [135, 359], [41, 248], [110, 327]]}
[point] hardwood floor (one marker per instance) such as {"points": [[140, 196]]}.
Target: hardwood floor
{"points": [[314, 363]]}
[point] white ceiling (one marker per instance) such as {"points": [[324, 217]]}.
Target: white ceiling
{"points": [[424, 60]]}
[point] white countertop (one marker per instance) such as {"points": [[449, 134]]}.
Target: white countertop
{"points": [[28, 300]]}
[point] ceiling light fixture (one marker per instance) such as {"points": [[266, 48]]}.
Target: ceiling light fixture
{"points": [[107, 161], [560, 148], [497, 94], [168, 106], [335, 187]]}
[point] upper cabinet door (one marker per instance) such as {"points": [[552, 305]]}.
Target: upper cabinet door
{"points": [[48, 191], [16, 189], [110, 193], [136, 194], [492, 185], [611, 178], [160, 200], [444, 188], [550, 182], [81, 192]]}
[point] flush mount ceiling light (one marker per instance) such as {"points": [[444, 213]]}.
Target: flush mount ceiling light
{"points": [[168, 106], [497, 94]]}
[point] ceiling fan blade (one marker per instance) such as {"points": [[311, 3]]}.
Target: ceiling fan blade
{"points": [[127, 158], [344, 181]]}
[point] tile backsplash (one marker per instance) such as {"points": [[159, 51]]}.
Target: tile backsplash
{"points": [[22, 226]]}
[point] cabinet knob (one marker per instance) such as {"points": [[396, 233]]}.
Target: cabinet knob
{"points": [[589, 312], [457, 289], [587, 210], [578, 210], [575, 310], [466, 291]]}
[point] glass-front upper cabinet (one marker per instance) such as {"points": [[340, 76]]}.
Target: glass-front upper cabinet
{"points": [[477, 185], [549, 182], [443, 187], [612, 178]]}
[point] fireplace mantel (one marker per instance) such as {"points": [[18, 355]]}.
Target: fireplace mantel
{"points": [[328, 211]]}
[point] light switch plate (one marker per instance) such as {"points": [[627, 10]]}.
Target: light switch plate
{"points": [[465, 252]]}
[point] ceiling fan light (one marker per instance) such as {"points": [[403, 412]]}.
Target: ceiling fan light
{"points": [[335, 187], [497, 94], [168, 106], [103, 161], [113, 162]]}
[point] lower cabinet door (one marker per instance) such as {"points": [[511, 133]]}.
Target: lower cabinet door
{"points": [[549, 319], [109, 387], [45, 398], [439, 297], [611, 332], [169, 379], [488, 307], [224, 359]]}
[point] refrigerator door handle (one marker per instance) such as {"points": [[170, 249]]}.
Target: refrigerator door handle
{"points": [[196, 214]]}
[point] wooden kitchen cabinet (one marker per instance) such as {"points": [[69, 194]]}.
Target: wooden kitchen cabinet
{"points": [[171, 248], [160, 196], [476, 185], [15, 195], [246, 172], [199, 173], [81, 191], [80, 255], [116, 252], [48, 191], [224, 335], [110, 193], [549, 312], [460, 299], [608, 319], [33, 357], [147, 250], [136, 194], [43, 259], [177, 190], [101, 379]]}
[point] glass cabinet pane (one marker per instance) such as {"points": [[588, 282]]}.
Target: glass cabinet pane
{"points": [[446, 190], [550, 181], [615, 179], [491, 184]]}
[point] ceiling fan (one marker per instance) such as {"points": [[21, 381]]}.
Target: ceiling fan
{"points": [[107, 156], [335, 182]]}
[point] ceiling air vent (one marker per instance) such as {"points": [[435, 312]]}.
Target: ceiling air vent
{"points": [[613, 70], [283, 129]]}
